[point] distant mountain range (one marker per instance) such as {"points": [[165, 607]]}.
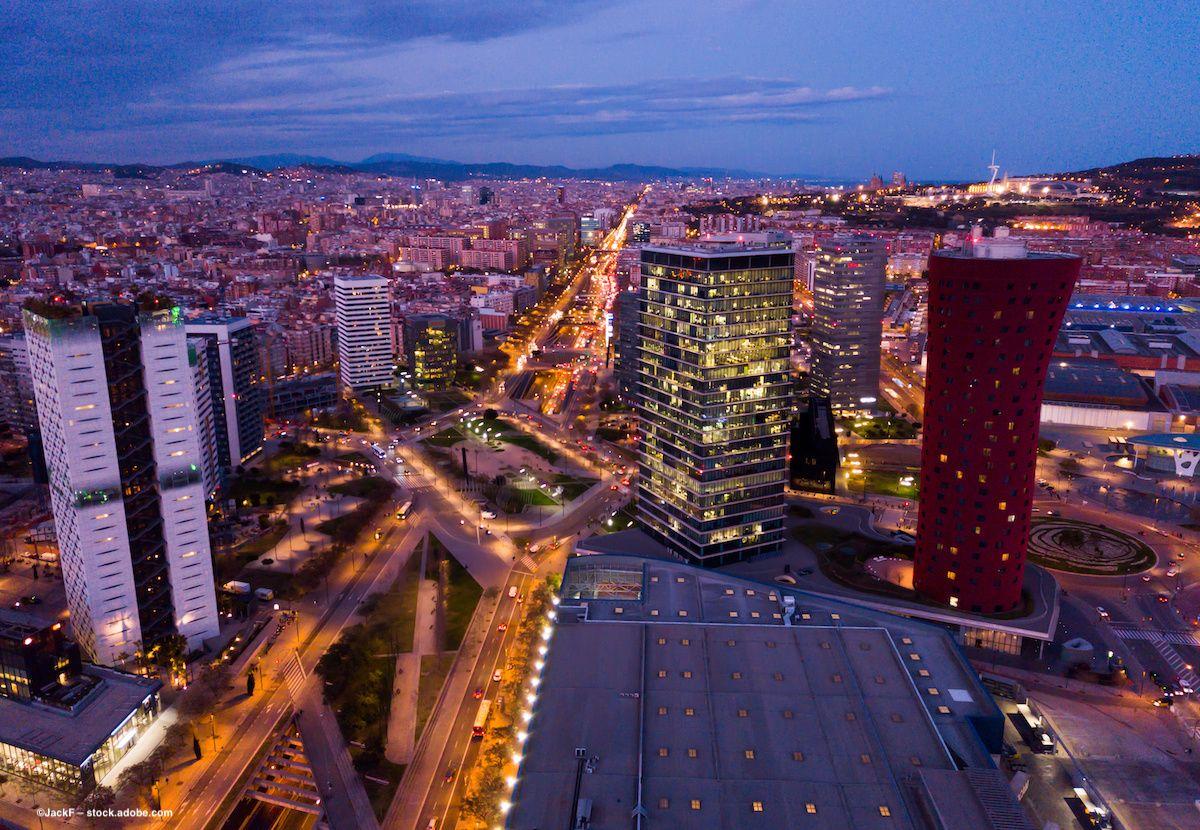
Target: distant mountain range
{"points": [[394, 164]]}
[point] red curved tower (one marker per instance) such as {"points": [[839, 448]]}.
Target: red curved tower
{"points": [[994, 312]]}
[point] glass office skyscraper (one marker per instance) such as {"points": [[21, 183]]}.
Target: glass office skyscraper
{"points": [[847, 327], [713, 397]]}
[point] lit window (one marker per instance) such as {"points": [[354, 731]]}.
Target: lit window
{"points": [[663, 752], [757, 806], [689, 711], [663, 804], [809, 807], [692, 752], [749, 753], [884, 810], [695, 804], [797, 756], [662, 710]]}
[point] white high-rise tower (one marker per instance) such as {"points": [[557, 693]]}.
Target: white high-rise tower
{"points": [[117, 409], [364, 331]]}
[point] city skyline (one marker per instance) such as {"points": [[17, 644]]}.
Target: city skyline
{"points": [[810, 90]]}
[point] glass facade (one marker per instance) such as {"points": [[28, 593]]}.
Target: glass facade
{"points": [[431, 342], [847, 327], [80, 778], [713, 398]]}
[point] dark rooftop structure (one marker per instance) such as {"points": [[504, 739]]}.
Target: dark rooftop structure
{"points": [[702, 700], [1097, 382]]}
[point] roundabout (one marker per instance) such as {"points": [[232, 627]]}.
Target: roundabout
{"points": [[1084, 548]]}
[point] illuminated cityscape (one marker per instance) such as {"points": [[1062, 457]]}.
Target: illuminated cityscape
{"points": [[608, 415]]}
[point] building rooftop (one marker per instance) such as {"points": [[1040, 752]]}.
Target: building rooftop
{"points": [[720, 249], [1099, 383], [723, 708], [73, 736]]}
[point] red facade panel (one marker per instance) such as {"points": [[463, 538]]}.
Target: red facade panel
{"points": [[992, 328]]}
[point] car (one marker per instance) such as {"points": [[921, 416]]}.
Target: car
{"points": [[449, 776], [512, 591], [1163, 598], [1102, 612], [520, 597], [478, 693], [26, 601], [1051, 512], [487, 514], [613, 487], [1145, 577], [502, 627], [496, 676], [1164, 702]]}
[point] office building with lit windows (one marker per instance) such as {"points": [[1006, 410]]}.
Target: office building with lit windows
{"points": [[847, 325], [713, 398], [364, 331], [994, 312], [117, 409], [431, 345]]}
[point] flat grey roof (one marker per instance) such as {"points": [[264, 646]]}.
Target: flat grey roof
{"points": [[737, 720], [73, 737]]}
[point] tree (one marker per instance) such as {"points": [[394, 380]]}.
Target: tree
{"points": [[169, 654], [490, 414]]}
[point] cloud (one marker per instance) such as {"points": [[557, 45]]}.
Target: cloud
{"points": [[168, 78], [317, 118]]}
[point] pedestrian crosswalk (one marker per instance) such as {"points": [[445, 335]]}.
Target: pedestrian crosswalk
{"points": [[528, 564], [294, 675], [1179, 638], [1187, 678]]}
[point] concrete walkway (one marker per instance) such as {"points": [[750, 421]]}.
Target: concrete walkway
{"points": [[402, 719]]}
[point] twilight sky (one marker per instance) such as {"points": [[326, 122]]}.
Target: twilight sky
{"points": [[843, 88]]}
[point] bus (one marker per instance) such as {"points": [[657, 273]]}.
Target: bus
{"points": [[481, 717], [404, 510], [379, 451]]}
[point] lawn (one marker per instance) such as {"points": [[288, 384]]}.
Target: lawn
{"points": [[462, 595], [290, 457], [371, 488], [260, 490], [358, 671], [231, 564], [513, 435], [884, 482], [884, 428], [345, 528], [434, 668], [446, 400], [535, 496], [446, 438], [573, 488]]}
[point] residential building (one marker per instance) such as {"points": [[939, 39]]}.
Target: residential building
{"points": [[713, 398], [117, 408]]}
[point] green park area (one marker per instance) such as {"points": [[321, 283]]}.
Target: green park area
{"points": [[345, 528]]}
